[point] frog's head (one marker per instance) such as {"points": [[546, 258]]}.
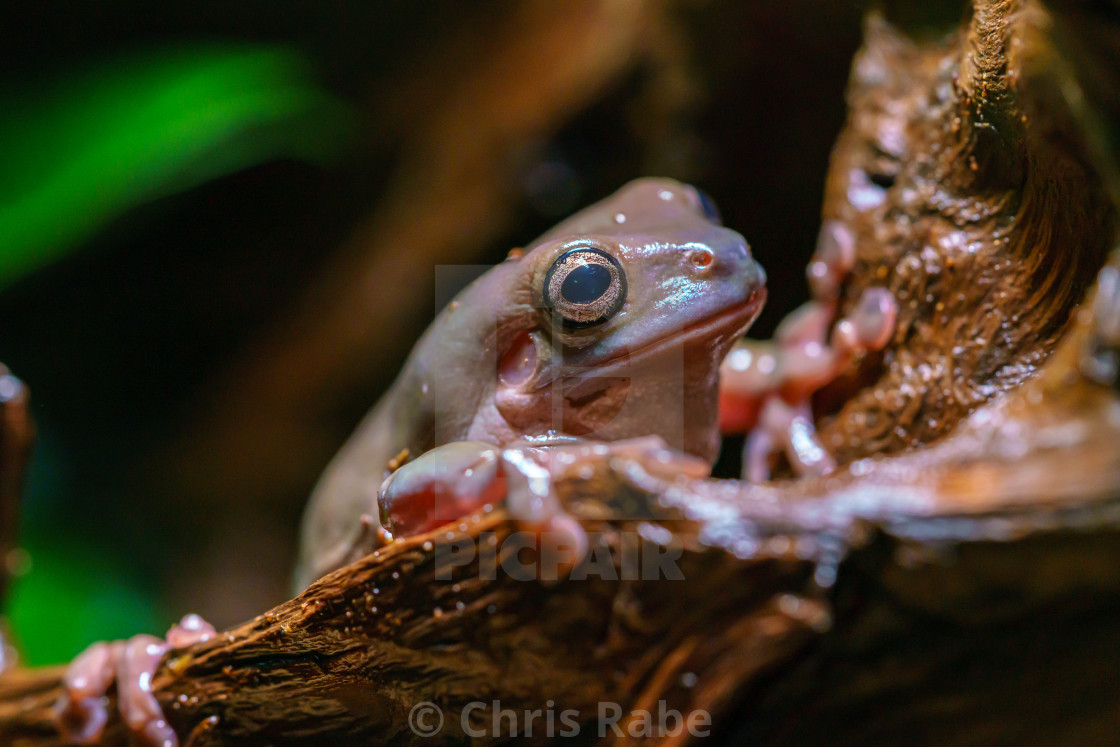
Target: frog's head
{"points": [[613, 324]]}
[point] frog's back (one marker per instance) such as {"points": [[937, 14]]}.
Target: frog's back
{"points": [[348, 489], [431, 402]]}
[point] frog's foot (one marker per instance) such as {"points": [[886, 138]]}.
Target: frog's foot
{"points": [[788, 428], [81, 712], [833, 260], [533, 472], [802, 358], [755, 370], [440, 486], [460, 478], [802, 365], [807, 365]]}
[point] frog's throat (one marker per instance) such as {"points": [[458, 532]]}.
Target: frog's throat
{"points": [[727, 325]]}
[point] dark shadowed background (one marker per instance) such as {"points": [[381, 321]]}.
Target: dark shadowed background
{"points": [[219, 225]]}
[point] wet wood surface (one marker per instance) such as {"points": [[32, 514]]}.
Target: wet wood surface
{"points": [[956, 581]]}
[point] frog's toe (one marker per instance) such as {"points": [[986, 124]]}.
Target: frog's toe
{"points": [[833, 259], [873, 319], [440, 486], [190, 630], [139, 708], [757, 450], [531, 474], [81, 713], [792, 427], [786, 429], [746, 376], [136, 666], [809, 322]]}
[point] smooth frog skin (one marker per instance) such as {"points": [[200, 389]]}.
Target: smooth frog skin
{"points": [[601, 340], [499, 367]]}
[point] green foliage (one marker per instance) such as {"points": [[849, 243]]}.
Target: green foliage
{"points": [[78, 588], [83, 152], [74, 596]]}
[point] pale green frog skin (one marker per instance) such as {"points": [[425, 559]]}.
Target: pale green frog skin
{"points": [[499, 365]]}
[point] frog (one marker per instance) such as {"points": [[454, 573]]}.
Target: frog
{"points": [[612, 326], [601, 339]]}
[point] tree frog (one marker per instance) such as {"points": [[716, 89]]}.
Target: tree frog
{"points": [[601, 338], [611, 326]]}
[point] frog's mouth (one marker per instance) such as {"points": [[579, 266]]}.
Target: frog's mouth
{"points": [[715, 334]]}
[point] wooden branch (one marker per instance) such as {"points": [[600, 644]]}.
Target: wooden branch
{"points": [[995, 530]]}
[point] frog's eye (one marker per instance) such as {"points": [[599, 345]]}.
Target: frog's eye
{"points": [[585, 286], [708, 206]]}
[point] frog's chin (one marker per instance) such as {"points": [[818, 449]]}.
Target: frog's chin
{"points": [[711, 337]]}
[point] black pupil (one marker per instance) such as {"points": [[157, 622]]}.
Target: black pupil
{"points": [[586, 283]]}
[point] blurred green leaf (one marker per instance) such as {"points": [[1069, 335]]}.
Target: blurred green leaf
{"points": [[78, 155], [79, 587], [72, 597]]}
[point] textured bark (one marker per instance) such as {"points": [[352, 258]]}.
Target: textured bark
{"points": [[957, 581], [972, 196]]}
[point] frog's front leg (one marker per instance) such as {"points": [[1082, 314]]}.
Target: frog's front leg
{"points": [[80, 713], [460, 478], [440, 486]]}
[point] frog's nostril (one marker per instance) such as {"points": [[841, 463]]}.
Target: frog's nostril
{"points": [[701, 258]]}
